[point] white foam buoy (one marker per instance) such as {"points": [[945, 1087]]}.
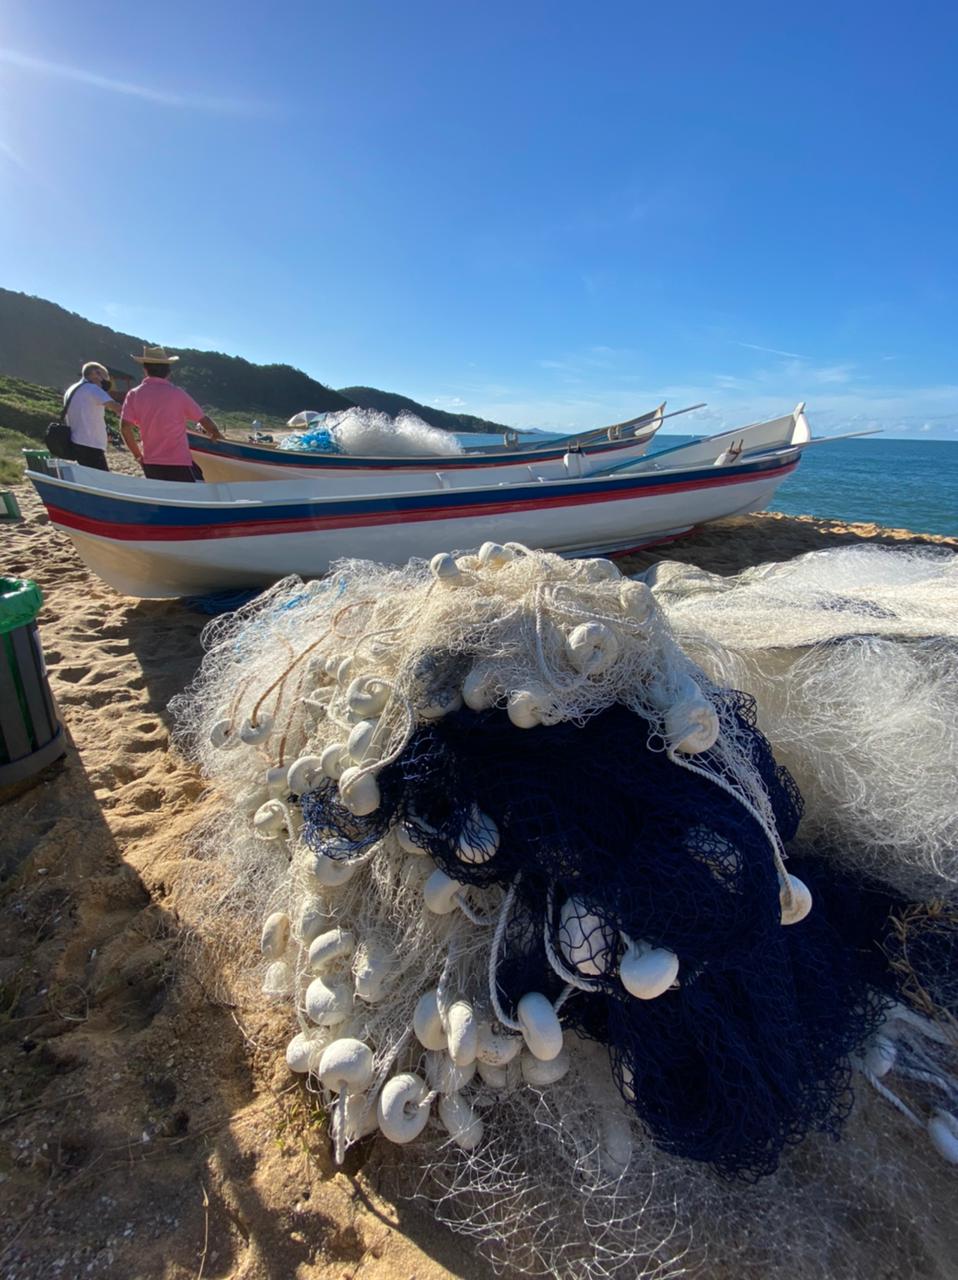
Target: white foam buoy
{"points": [[312, 920], [304, 775], [278, 982], [439, 892], [479, 689], [647, 972], [529, 707], [269, 819], [541, 1028], [223, 736], [445, 1076], [402, 1110], [539, 1073], [427, 1023], [691, 722], [615, 1145], [275, 936], [302, 1052], [331, 873], [584, 940], [462, 1033], [440, 702], [445, 570], [479, 838], [360, 744], [334, 760], [277, 782], [943, 1133], [637, 600], [460, 1121], [371, 969], [334, 944], [367, 697], [880, 1056], [494, 556], [592, 648], [406, 831], [501, 1078], [359, 792], [598, 569], [328, 1005], [252, 733], [346, 1066], [795, 900], [494, 1046]]}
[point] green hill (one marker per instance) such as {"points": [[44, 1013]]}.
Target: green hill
{"points": [[393, 404], [43, 343], [42, 346]]}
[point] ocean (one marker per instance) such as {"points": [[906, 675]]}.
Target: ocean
{"points": [[902, 484]]}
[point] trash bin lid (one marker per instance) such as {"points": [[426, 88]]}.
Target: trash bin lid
{"points": [[20, 601]]}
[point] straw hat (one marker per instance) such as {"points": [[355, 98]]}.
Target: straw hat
{"points": [[154, 355]]}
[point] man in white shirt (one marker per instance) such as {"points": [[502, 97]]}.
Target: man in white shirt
{"points": [[84, 415]]}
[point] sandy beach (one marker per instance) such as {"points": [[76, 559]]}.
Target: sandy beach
{"points": [[147, 1128]]}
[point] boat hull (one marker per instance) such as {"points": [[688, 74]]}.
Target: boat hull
{"points": [[229, 461], [156, 540]]}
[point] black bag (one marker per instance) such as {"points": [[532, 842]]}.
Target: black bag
{"points": [[57, 435]]}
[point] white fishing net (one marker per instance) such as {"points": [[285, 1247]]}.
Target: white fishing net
{"points": [[541, 1160], [368, 432], [852, 656]]}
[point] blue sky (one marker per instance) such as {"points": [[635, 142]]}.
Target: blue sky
{"points": [[551, 214]]}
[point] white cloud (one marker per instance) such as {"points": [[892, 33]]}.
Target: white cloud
{"points": [[129, 89]]}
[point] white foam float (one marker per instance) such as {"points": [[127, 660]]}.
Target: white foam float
{"points": [[403, 1107], [427, 1022], [541, 1028], [647, 972], [795, 899], [479, 838], [328, 1004], [591, 648], [584, 940], [460, 1121], [275, 936]]}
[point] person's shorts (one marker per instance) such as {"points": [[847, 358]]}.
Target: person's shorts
{"points": [[184, 474]]}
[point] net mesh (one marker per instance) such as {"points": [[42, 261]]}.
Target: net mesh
{"points": [[450, 786]]}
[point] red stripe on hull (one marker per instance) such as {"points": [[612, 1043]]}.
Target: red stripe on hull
{"points": [[304, 524]]}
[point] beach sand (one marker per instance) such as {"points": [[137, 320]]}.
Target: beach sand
{"points": [[147, 1129]]}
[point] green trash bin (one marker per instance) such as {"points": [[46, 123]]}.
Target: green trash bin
{"points": [[30, 733], [37, 459]]}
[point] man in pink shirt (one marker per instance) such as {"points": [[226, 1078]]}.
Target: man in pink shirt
{"points": [[161, 411]]}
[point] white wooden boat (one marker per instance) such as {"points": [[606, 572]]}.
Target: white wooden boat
{"points": [[156, 539], [233, 460]]}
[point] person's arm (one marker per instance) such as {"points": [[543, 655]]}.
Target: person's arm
{"points": [[210, 428], [114, 406], [128, 432]]}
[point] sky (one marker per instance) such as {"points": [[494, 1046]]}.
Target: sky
{"points": [[550, 214]]}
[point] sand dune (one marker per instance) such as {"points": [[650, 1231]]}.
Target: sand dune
{"points": [[147, 1129]]}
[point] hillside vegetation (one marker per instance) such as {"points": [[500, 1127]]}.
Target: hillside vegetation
{"points": [[43, 345], [46, 344]]}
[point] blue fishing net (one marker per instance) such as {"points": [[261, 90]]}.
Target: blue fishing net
{"points": [[749, 1052], [316, 440]]}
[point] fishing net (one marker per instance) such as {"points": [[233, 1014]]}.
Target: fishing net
{"points": [[519, 866], [852, 656], [365, 432]]}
